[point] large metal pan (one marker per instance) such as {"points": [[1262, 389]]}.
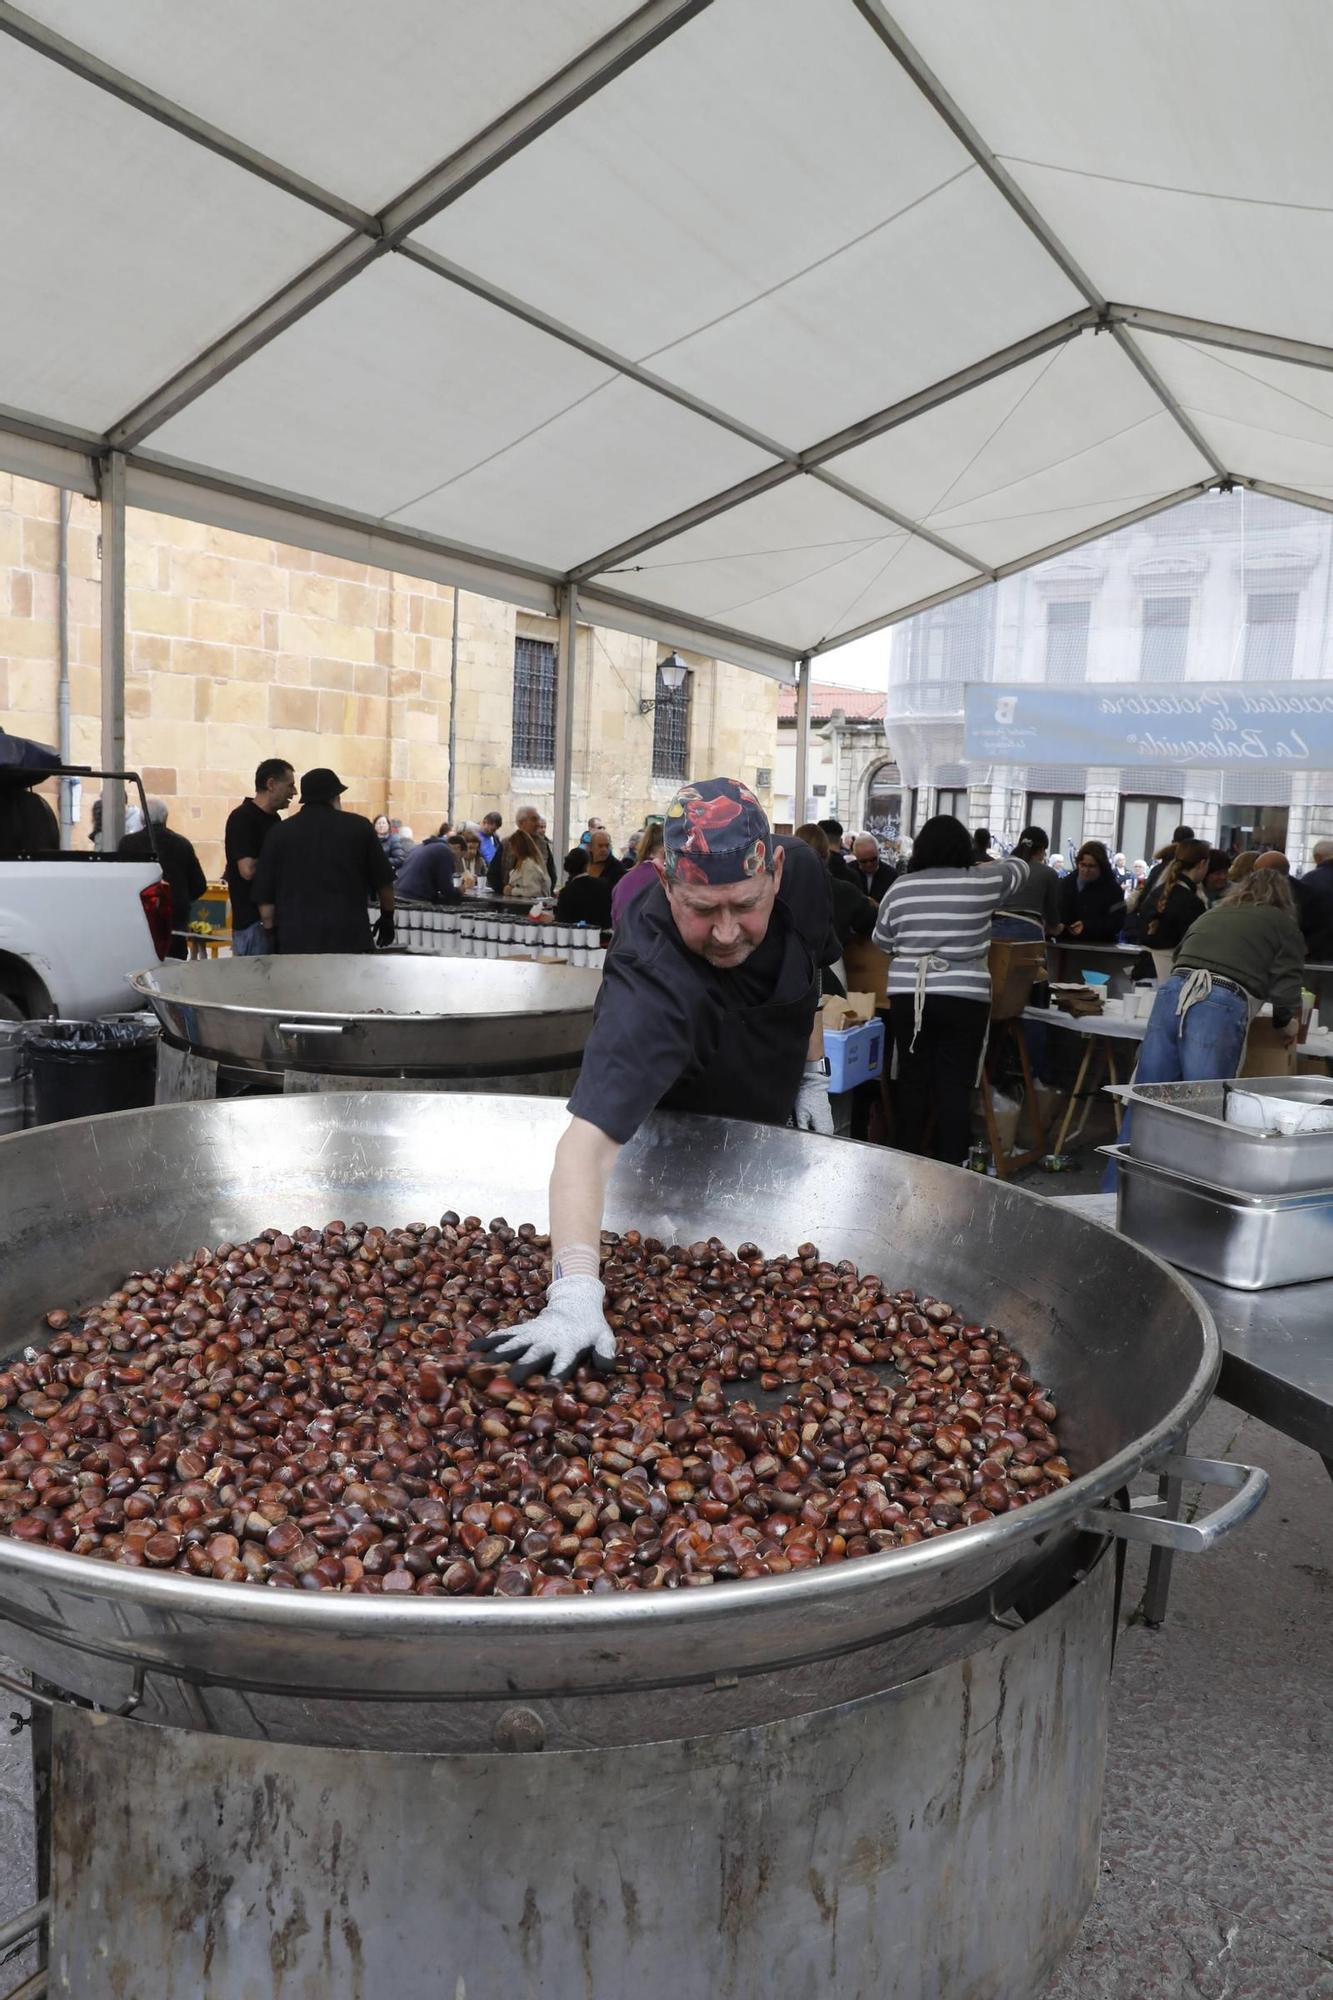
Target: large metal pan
{"points": [[1127, 1346], [372, 1015]]}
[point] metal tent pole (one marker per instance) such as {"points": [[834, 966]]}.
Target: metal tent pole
{"points": [[564, 720], [802, 784], [113, 647]]}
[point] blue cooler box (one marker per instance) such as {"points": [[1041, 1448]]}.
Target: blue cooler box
{"points": [[855, 1055]]}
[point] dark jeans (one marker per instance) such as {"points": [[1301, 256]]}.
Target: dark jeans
{"points": [[941, 1076]]}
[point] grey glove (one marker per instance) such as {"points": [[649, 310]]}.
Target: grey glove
{"points": [[571, 1329], [812, 1111]]}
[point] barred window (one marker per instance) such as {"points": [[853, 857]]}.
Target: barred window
{"points": [[533, 745], [1165, 638], [1270, 634], [671, 728], [1067, 621]]}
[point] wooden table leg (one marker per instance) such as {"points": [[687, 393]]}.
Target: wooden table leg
{"points": [[1088, 1046]]}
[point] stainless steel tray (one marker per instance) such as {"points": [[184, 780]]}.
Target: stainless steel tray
{"points": [[1182, 1126], [1248, 1242]]}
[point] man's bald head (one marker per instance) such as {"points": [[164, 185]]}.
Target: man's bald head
{"points": [[1322, 851], [1274, 858]]}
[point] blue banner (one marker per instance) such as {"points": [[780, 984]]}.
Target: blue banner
{"points": [[1198, 723]]}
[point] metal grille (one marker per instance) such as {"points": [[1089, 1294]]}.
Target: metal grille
{"points": [[535, 670], [671, 728], [954, 641], [1067, 621], [1165, 640], [1270, 634]]}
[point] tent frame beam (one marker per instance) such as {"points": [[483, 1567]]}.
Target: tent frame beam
{"points": [[112, 495], [609, 57], [80, 62], [1213, 333], [874, 426]]}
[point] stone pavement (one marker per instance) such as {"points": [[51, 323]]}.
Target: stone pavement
{"points": [[1217, 1836]]}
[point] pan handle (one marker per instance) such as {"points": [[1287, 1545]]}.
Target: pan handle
{"points": [[311, 1027], [1145, 1522]]}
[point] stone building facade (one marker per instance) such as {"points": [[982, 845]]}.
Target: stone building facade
{"points": [[240, 649], [1231, 586], [851, 774]]}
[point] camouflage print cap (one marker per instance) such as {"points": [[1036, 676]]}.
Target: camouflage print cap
{"points": [[716, 832]]}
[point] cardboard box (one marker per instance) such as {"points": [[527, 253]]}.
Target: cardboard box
{"points": [[867, 968], [1266, 1054], [837, 1013]]}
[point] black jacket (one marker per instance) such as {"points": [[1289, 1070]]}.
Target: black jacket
{"points": [[320, 869], [877, 885], [1314, 908], [853, 911], [586, 899], [180, 871], [1100, 908], [1162, 928]]}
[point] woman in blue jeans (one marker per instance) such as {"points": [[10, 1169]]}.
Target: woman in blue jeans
{"points": [[1247, 949]]}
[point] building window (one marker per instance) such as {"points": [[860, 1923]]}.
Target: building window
{"points": [[954, 802], [913, 807], [1061, 814], [1270, 634], [1165, 639], [953, 642], [884, 803], [1146, 825], [671, 728], [533, 745], [1067, 621]]}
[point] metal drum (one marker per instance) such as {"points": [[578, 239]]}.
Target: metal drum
{"points": [[765, 1788], [375, 1014]]}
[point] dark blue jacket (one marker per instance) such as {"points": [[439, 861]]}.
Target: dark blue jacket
{"points": [[427, 875], [1314, 908]]}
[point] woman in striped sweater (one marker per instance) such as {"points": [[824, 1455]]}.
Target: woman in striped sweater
{"points": [[936, 923]]}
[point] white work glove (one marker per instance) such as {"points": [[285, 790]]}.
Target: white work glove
{"points": [[572, 1328], [812, 1111]]}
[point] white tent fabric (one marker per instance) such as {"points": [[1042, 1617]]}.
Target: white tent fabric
{"points": [[765, 323]]}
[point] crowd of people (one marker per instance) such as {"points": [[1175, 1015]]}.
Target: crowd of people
{"points": [[1220, 935], [304, 883]]}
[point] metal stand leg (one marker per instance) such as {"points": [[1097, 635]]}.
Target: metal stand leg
{"points": [[1088, 1047], [1159, 1563]]}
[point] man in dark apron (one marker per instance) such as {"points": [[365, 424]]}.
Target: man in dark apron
{"points": [[710, 1002]]}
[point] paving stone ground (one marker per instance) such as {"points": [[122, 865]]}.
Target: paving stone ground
{"points": [[1217, 1837]]}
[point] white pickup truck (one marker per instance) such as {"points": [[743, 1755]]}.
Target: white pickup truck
{"points": [[73, 924]]}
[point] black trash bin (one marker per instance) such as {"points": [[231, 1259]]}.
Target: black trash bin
{"points": [[79, 1068]]}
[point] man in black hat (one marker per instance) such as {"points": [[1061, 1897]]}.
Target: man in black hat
{"points": [[319, 871]]}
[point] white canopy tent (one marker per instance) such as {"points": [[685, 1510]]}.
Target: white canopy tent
{"points": [[754, 325]]}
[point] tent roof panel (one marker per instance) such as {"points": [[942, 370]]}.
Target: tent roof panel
{"points": [[392, 386], [799, 560], [759, 141], [128, 248], [381, 99], [1077, 433], [615, 461], [879, 320], [736, 228], [1219, 96]]}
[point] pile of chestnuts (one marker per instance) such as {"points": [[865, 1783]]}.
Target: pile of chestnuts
{"points": [[304, 1411]]}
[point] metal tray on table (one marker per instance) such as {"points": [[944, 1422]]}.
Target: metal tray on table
{"points": [[1248, 1242], [1182, 1126]]}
